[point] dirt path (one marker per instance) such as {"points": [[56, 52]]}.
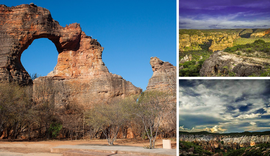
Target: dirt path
{"points": [[25, 148]]}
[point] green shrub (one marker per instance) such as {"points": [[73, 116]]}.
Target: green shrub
{"points": [[257, 45], [55, 129]]}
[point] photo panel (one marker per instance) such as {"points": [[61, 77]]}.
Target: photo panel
{"points": [[224, 116]]}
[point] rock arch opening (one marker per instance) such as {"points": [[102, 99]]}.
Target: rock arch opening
{"points": [[40, 57]]}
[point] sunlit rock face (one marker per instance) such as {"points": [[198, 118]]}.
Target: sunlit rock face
{"points": [[164, 79], [228, 64], [80, 74], [164, 76], [213, 40]]}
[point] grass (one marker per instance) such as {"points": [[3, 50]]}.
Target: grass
{"points": [[242, 41], [258, 45]]}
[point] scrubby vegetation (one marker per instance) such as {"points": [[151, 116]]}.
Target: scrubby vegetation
{"points": [[258, 150], [195, 46], [23, 117], [257, 46], [243, 41], [190, 148], [191, 68]]}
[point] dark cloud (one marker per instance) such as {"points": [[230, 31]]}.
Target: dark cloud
{"points": [[240, 99], [214, 5], [245, 108], [190, 121], [230, 108], [235, 105], [265, 116], [260, 111], [187, 83], [230, 14], [263, 124]]}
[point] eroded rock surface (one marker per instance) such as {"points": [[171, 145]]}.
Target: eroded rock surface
{"points": [[216, 40], [228, 64], [164, 76], [80, 74]]}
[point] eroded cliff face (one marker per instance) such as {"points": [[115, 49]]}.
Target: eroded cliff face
{"points": [[214, 40], [164, 79], [164, 76], [80, 74], [227, 64], [216, 143]]}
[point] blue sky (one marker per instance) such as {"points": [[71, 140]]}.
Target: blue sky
{"points": [[210, 14], [224, 105], [131, 31]]}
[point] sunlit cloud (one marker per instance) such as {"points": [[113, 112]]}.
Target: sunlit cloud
{"points": [[222, 22], [224, 105]]}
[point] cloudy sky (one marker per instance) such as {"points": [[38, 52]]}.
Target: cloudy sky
{"points": [[224, 105], [210, 14]]}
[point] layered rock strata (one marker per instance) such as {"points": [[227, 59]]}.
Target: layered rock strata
{"points": [[227, 64], [80, 74], [214, 40], [164, 80], [164, 76]]}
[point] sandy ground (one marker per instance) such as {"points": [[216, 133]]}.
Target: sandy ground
{"points": [[30, 148]]}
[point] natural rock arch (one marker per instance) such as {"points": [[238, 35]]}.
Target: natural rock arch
{"points": [[79, 62], [40, 57]]}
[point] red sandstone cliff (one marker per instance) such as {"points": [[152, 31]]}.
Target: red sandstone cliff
{"points": [[80, 74]]}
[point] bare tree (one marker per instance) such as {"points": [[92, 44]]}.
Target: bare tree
{"points": [[109, 118], [152, 108], [15, 108]]}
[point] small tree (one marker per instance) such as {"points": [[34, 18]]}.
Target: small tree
{"points": [[152, 108], [109, 118]]}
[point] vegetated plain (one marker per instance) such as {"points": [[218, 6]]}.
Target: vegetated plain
{"points": [[226, 144], [196, 46]]}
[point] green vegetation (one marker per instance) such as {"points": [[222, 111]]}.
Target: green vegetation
{"points": [[258, 45], [257, 150], [242, 41], [249, 44], [55, 129], [191, 68], [208, 32], [186, 146]]}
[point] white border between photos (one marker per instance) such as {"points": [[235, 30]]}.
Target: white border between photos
{"points": [[177, 74]]}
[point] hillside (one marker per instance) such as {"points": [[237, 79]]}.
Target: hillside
{"points": [[205, 143], [197, 46]]}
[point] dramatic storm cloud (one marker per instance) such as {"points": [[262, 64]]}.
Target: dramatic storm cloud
{"points": [[209, 14], [224, 105]]}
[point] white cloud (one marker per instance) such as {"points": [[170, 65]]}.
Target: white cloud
{"points": [[217, 98], [228, 21]]}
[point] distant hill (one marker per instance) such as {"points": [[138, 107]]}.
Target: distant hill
{"points": [[247, 133]]}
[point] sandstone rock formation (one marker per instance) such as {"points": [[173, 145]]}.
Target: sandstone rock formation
{"points": [[80, 74], [227, 64], [216, 40], [164, 76]]}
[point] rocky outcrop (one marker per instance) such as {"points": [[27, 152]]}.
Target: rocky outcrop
{"points": [[227, 64], [164, 76], [80, 74], [216, 143], [199, 39], [260, 33]]}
